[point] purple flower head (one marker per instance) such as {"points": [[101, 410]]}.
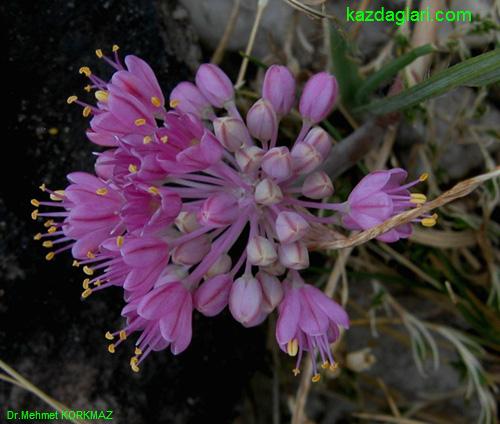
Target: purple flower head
{"points": [[178, 187]]}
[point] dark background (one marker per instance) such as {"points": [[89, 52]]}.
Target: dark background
{"points": [[46, 332]]}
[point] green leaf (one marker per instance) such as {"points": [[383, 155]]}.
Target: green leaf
{"points": [[344, 67], [390, 70], [485, 67]]}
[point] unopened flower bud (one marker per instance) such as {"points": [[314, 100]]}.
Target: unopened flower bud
{"points": [[277, 163], [317, 186], [245, 299], [294, 255], [305, 158], [232, 133], [267, 192], [213, 295], [214, 84], [219, 210], [261, 251], [191, 252], [360, 360], [172, 273], [187, 222], [318, 97], [290, 227], [279, 88], [261, 120], [320, 140], [221, 266], [272, 292], [189, 99], [249, 158]]}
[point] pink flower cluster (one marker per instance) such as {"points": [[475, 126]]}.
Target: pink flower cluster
{"points": [[178, 189]]}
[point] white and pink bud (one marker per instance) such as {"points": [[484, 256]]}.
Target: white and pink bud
{"points": [[232, 133], [261, 251], [294, 255], [318, 97], [317, 186], [245, 299], [305, 158], [262, 121], [279, 89], [267, 192], [213, 295], [187, 222], [214, 84], [221, 266], [218, 210], [192, 251], [277, 163], [187, 98], [290, 227], [272, 292], [249, 158], [320, 140]]}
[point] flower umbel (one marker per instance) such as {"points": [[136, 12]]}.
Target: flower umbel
{"points": [[180, 184]]}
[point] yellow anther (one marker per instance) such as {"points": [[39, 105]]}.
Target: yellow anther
{"points": [[315, 378], [140, 122], [424, 176], [109, 336], [119, 241], [418, 198], [71, 99], [292, 347], [102, 191], [132, 168], [49, 256], [174, 103], [52, 230], [155, 101], [123, 335], [296, 372], [88, 88], [154, 190], [194, 142], [134, 367], [429, 222], [75, 263], [86, 293], [111, 348], [333, 366], [90, 255], [53, 131], [57, 196], [97, 283], [147, 139], [101, 95], [164, 139], [48, 244], [48, 223], [35, 203], [37, 236], [87, 110], [85, 283], [87, 270], [43, 187], [137, 351], [85, 70], [115, 48], [325, 365], [34, 214], [98, 53]]}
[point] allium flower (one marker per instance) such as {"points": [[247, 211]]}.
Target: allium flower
{"points": [[178, 186]]}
